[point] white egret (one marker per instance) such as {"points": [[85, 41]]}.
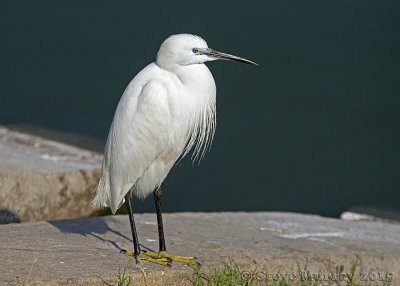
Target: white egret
{"points": [[168, 108]]}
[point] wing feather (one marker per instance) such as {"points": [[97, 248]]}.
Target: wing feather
{"points": [[138, 134]]}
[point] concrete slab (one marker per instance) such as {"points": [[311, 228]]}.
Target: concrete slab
{"points": [[85, 251], [42, 179]]}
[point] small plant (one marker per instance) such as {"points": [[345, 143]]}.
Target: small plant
{"points": [[353, 273], [232, 275], [123, 279], [30, 272]]}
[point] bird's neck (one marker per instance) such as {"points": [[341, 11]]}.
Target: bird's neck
{"points": [[197, 75], [200, 96]]}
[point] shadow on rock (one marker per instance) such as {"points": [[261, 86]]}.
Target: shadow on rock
{"points": [[7, 216], [91, 226]]}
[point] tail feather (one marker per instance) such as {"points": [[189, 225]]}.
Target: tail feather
{"points": [[102, 198]]}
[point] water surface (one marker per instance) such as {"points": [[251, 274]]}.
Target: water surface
{"points": [[314, 129]]}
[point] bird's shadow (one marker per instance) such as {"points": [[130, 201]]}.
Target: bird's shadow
{"points": [[92, 227]]}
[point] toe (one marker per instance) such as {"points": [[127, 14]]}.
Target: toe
{"points": [[143, 255], [184, 259], [126, 252]]}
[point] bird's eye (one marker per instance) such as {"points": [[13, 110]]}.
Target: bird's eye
{"points": [[195, 50]]}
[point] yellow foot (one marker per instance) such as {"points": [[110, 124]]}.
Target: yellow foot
{"points": [[145, 255], [166, 255]]}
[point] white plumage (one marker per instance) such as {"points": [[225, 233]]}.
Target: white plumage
{"points": [[168, 108]]}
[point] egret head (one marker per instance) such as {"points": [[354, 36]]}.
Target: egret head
{"points": [[186, 49]]}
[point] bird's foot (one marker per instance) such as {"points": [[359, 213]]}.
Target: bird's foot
{"points": [[166, 255], [147, 256]]}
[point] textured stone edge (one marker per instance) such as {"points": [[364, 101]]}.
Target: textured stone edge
{"points": [[270, 265]]}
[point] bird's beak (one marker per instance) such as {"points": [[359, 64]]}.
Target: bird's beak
{"points": [[218, 55]]}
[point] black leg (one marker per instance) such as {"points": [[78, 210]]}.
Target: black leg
{"points": [[157, 200], [138, 253], [136, 246]]}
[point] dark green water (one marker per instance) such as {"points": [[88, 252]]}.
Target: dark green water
{"points": [[314, 129]]}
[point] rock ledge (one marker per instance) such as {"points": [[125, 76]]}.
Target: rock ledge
{"points": [[42, 179], [85, 251]]}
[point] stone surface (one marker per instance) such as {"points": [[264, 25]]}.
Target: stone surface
{"points": [[85, 251], [371, 213], [42, 179]]}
